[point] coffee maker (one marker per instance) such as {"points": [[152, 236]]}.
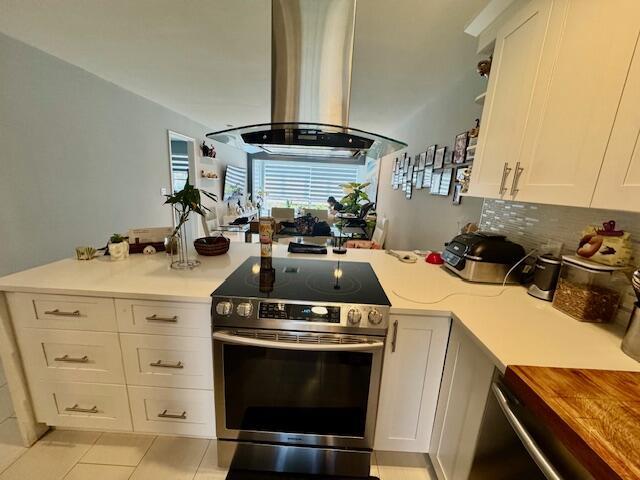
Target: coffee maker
{"points": [[545, 277]]}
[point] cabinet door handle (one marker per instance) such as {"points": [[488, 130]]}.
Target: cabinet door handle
{"points": [[67, 358], [394, 339], [516, 179], [156, 318], [506, 170], [181, 416], [159, 363], [59, 313], [78, 409]]}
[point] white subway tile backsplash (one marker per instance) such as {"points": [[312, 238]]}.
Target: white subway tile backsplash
{"points": [[532, 225]]}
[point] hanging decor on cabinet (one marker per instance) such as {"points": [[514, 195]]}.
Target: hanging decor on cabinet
{"points": [[484, 67]]}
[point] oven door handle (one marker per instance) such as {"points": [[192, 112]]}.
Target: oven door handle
{"points": [[318, 347], [546, 467]]}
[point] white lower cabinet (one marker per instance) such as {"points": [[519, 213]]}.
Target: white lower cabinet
{"points": [[71, 355], [167, 361], [463, 394], [413, 361], [172, 410], [82, 405]]}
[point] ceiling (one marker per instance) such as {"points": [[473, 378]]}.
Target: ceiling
{"points": [[210, 59]]}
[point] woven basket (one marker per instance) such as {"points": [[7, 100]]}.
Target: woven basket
{"points": [[212, 246]]}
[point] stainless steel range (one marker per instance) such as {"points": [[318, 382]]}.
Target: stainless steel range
{"points": [[297, 348]]}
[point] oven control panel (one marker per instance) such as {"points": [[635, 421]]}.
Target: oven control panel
{"points": [[294, 311], [261, 313]]}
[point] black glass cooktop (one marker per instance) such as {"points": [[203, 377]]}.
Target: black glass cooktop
{"points": [[309, 280]]}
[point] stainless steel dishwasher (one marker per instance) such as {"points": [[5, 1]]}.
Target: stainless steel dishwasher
{"points": [[514, 445]]}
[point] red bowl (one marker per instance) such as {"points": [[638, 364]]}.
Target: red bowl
{"points": [[434, 258]]}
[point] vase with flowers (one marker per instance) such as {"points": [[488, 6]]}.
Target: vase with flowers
{"points": [[184, 202]]}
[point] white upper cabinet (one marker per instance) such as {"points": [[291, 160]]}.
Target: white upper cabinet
{"points": [[413, 361], [513, 73], [619, 182], [558, 75], [588, 49]]}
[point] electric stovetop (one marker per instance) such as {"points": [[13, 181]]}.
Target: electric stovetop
{"points": [[309, 280]]}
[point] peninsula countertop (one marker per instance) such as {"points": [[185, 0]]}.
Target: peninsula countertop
{"points": [[512, 327]]}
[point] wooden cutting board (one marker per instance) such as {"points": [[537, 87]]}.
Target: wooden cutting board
{"points": [[595, 413]]}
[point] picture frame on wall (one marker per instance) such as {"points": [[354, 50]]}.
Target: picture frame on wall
{"points": [[422, 158], [426, 178], [435, 183], [460, 148], [409, 190], [420, 179], [448, 157], [438, 159], [445, 182], [430, 155], [457, 194]]}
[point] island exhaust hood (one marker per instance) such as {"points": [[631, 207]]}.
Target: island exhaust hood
{"points": [[312, 52]]}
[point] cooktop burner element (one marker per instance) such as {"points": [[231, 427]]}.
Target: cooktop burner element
{"points": [[305, 295], [312, 280]]}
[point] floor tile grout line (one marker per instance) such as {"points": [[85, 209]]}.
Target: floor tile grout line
{"points": [[93, 445], [78, 461], [202, 459]]}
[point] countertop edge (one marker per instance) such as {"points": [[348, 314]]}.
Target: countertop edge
{"points": [[576, 444]]}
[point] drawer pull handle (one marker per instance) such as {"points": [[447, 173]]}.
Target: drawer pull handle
{"points": [[67, 358], [156, 318], [60, 313], [159, 363], [78, 409], [182, 416]]}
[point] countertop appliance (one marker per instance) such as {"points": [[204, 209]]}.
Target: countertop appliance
{"points": [[631, 341], [545, 277], [513, 444], [298, 348], [483, 257]]}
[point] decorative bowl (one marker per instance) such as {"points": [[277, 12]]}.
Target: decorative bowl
{"points": [[212, 246]]}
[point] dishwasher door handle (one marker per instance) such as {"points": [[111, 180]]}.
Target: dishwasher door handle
{"points": [[546, 467]]}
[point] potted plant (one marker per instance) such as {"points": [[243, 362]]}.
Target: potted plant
{"points": [[187, 200], [118, 247], [355, 195]]}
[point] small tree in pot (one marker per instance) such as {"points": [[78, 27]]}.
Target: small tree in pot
{"points": [[187, 200], [355, 195]]}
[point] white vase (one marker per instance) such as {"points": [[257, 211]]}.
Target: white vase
{"points": [[119, 251]]}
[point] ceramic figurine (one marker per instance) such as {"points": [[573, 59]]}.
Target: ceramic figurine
{"points": [[149, 250], [119, 251]]}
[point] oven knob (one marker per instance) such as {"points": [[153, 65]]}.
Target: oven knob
{"points": [[244, 309], [375, 317], [354, 316], [224, 308]]}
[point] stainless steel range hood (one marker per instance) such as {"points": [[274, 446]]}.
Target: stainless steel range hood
{"points": [[312, 51]]}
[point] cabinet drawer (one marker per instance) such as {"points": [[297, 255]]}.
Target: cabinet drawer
{"points": [[165, 318], [82, 405], [62, 311], [64, 355], [172, 410], [163, 361]]}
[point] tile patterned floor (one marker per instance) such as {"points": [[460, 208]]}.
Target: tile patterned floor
{"points": [[76, 455]]}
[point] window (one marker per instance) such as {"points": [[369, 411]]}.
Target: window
{"points": [[301, 184]]}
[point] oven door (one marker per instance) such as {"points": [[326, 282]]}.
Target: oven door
{"points": [[280, 387]]}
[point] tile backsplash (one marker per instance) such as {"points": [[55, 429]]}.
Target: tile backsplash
{"points": [[532, 225]]}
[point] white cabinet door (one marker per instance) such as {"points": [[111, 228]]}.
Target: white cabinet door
{"points": [[465, 387], [618, 186], [504, 119], [414, 356], [584, 63]]}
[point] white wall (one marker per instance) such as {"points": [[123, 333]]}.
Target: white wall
{"points": [[80, 158], [427, 221]]}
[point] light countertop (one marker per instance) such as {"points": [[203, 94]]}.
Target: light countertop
{"points": [[512, 327]]}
